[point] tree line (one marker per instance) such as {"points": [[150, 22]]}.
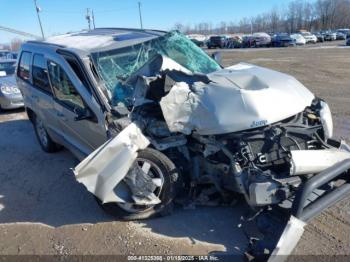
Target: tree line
{"points": [[297, 15]]}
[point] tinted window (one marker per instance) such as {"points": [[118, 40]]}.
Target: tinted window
{"points": [[24, 65], [283, 37], [217, 38], [40, 78], [64, 88]]}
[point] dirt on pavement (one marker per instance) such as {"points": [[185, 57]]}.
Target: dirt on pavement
{"points": [[43, 210]]}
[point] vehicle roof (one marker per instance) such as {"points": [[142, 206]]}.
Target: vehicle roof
{"points": [[101, 39]]}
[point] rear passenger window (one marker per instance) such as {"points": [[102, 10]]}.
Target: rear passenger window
{"points": [[40, 77], [64, 88], [24, 65]]}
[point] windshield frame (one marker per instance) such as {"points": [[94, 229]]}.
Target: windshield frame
{"points": [[151, 44]]}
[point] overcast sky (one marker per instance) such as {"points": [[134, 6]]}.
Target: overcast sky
{"points": [[61, 16]]}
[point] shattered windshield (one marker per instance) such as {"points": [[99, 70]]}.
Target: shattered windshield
{"points": [[117, 65]]}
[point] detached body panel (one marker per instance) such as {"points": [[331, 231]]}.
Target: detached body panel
{"points": [[103, 169]]}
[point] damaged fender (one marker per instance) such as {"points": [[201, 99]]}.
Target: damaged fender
{"points": [[103, 169]]}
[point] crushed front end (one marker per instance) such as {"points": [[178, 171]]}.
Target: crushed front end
{"points": [[242, 132]]}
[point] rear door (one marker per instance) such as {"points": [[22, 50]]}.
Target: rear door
{"points": [[72, 98], [34, 84], [43, 96]]}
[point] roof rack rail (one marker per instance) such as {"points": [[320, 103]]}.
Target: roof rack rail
{"points": [[45, 43], [129, 29]]}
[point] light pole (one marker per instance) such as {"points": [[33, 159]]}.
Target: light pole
{"points": [[140, 15], [37, 9], [88, 17], [93, 18]]}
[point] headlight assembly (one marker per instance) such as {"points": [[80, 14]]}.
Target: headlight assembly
{"points": [[9, 90]]}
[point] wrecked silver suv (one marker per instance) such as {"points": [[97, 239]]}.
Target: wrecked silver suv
{"points": [[161, 121]]}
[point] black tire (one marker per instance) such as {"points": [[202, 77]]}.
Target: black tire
{"points": [[48, 145], [167, 194]]}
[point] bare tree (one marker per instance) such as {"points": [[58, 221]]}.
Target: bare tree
{"points": [[179, 27], [299, 14], [274, 20]]}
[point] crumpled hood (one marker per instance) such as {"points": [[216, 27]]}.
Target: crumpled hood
{"points": [[237, 98]]}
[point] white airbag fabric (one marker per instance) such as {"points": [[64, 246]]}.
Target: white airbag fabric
{"points": [[103, 169]]}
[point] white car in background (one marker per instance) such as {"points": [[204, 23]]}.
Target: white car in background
{"points": [[299, 39], [310, 38]]}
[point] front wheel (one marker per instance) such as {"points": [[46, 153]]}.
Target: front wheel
{"points": [[160, 169]]}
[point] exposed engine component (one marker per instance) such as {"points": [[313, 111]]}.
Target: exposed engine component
{"points": [[261, 163]]}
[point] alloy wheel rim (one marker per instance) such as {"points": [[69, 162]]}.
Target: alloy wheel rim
{"points": [[152, 170]]}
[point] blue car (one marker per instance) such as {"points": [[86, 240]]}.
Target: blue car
{"points": [[282, 40]]}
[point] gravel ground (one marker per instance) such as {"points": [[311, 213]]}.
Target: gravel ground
{"points": [[44, 211]]}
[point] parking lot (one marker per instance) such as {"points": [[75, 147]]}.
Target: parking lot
{"points": [[43, 210]]}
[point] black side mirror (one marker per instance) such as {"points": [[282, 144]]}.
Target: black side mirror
{"points": [[217, 57], [84, 114]]}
